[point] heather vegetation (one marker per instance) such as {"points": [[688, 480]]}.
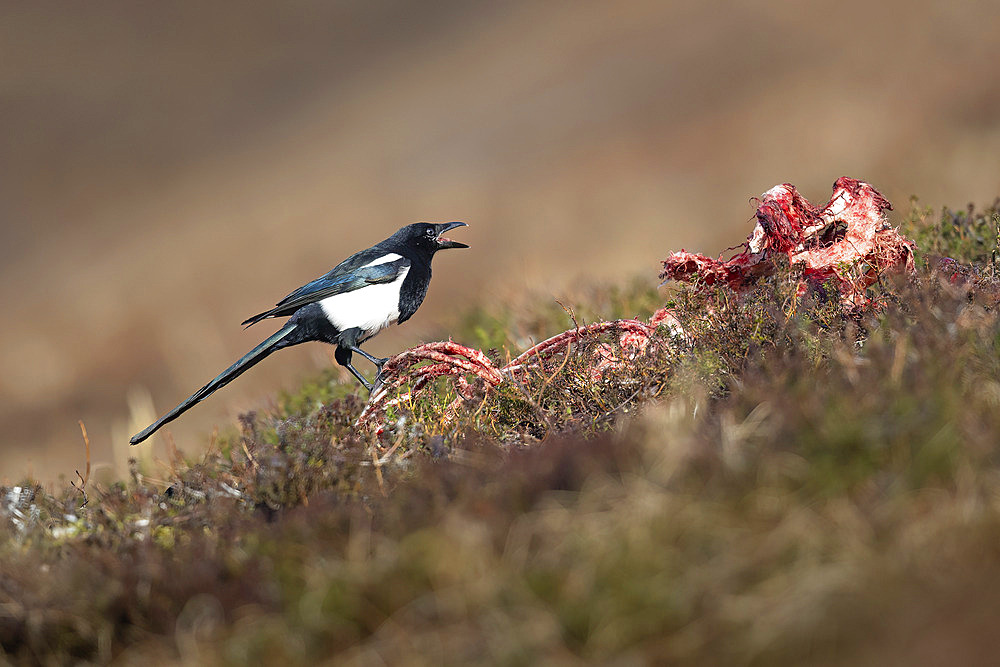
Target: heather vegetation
{"points": [[785, 481]]}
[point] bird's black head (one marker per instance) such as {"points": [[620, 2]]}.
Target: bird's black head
{"points": [[425, 237]]}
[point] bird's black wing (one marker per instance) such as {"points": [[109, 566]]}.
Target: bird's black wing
{"points": [[351, 274]]}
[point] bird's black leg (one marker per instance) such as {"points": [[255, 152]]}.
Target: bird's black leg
{"points": [[379, 363], [343, 357], [361, 378], [347, 344]]}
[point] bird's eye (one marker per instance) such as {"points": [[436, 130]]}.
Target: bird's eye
{"points": [[430, 233]]}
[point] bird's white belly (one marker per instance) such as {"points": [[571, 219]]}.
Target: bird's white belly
{"points": [[371, 308]]}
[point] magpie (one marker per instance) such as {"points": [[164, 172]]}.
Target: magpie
{"points": [[359, 297]]}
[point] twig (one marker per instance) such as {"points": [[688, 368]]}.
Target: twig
{"points": [[250, 458], [548, 380], [378, 471], [569, 311], [84, 478]]}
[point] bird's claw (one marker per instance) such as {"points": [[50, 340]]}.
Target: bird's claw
{"points": [[377, 383]]}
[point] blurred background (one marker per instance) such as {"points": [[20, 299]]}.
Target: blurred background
{"points": [[168, 169]]}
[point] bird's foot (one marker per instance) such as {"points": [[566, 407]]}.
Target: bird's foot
{"points": [[379, 365], [379, 379]]}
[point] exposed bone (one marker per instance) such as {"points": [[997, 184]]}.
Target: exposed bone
{"points": [[848, 241]]}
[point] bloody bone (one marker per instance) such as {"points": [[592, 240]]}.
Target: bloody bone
{"points": [[847, 241], [458, 361]]}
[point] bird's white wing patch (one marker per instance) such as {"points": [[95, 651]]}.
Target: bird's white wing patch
{"points": [[371, 308], [384, 259]]}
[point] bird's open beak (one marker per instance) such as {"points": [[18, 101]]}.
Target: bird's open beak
{"points": [[442, 242]]}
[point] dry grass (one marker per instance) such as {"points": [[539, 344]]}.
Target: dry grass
{"points": [[788, 485]]}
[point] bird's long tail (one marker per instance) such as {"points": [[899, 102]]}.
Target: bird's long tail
{"points": [[281, 338]]}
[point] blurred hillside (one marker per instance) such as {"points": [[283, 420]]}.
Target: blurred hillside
{"points": [[169, 170]]}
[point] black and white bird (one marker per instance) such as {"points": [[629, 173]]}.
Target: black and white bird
{"points": [[362, 295]]}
